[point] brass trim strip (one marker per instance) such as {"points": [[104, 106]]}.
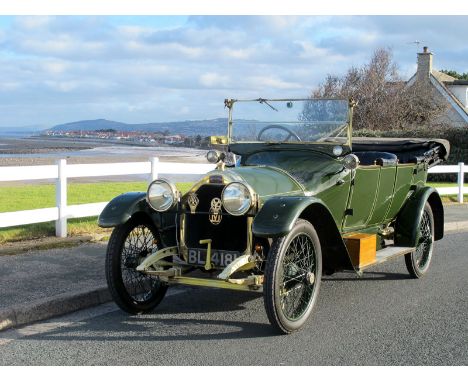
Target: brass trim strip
{"points": [[212, 284]]}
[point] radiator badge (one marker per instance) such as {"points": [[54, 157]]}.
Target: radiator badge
{"points": [[215, 211], [193, 202]]}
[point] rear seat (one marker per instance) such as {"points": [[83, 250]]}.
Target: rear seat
{"points": [[368, 158]]}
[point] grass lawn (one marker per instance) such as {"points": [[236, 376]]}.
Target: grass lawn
{"points": [[30, 197], [449, 198], [440, 184]]}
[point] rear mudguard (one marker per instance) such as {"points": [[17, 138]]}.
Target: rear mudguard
{"points": [[407, 222], [278, 215], [123, 207]]}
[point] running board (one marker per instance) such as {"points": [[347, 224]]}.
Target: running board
{"points": [[388, 253]]}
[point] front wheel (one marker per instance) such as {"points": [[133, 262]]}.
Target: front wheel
{"points": [[292, 277], [129, 244], [417, 262]]}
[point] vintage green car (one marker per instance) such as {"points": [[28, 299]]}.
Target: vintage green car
{"points": [[293, 196]]}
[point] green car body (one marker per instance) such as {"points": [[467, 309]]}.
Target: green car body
{"points": [[376, 197], [277, 212]]}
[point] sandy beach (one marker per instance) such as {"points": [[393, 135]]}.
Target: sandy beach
{"points": [[45, 151]]}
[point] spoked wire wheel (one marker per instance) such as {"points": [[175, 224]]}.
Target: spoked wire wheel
{"points": [[129, 245], [418, 261], [297, 271], [292, 277]]}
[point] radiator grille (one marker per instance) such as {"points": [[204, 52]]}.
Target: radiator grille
{"points": [[229, 234]]}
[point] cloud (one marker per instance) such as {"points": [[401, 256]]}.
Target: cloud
{"points": [[60, 69], [55, 67], [214, 80], [269, 82], [33, 22]]}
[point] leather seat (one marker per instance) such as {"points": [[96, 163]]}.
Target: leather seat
{"points": [[368, 158]]}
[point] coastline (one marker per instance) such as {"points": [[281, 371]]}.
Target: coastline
{"points": [[33, 151]]}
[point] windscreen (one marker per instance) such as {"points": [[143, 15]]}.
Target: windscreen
{"points": [[306, 120]]}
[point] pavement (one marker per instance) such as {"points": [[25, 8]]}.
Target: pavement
{"points": [[41, 284], [456, 217], [382, 318]]}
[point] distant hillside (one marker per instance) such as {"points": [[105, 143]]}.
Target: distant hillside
{"points": [[216, 126], [91, 125]]}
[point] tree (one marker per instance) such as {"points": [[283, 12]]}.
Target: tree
{"points": [[455, 74], [385, 102]]}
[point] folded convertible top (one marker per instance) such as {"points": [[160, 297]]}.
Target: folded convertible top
{"points": [[404, 147]]}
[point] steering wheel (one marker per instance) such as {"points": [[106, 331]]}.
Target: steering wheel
{"points": [[269, 127]]}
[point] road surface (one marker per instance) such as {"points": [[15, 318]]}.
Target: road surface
{"points": [[383, 318]]}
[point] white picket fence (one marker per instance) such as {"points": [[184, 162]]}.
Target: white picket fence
{"points": [[459, 189], [62, 171]]}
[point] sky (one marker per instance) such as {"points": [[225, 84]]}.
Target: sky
{"points": [[139, 69]]}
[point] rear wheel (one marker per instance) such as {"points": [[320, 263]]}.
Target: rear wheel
{"points": [[292, 277], [418, 261], [129, 244]]}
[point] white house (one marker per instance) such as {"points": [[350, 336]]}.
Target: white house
{"points": [[448, 88]]}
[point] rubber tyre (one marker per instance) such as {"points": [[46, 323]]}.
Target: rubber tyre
{"points": [[411, 262], [273, 272], [114, 270]]}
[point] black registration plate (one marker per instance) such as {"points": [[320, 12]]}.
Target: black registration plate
{"points": [[219, 258]]}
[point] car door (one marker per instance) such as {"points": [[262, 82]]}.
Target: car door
{"points": [[384, 196], [363, 192]]}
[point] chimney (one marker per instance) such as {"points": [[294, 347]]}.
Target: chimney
{"points": [[424, 64]]}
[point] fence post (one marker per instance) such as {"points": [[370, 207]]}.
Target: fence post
{"points": [[61, 199], [461, 179], [154, 168]]}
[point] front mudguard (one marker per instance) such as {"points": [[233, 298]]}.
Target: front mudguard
{"points": [[123, 207], [277, 218], [120, 209], [407, 222]]}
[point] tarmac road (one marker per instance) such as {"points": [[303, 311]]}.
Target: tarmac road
{"points": [[384, 318]]}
